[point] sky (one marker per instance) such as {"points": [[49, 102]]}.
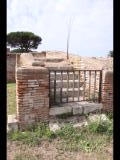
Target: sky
{"points": [[90, 23]]}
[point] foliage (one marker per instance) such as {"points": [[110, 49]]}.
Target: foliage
{"points": [[23, 41], [109, 115], [18, 51], [105, 127], [33, 135], [86, 138]]}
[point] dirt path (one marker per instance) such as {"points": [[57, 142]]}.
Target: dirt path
{"points": [[50, 151]]}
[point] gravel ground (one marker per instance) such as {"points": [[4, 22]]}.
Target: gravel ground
{"points": [[51, 151]]}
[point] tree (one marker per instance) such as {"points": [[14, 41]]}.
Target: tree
{"points": [[18, 51], [110, 54], [23, 41]]}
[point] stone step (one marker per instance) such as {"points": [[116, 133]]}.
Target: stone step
{"points": [[75, 108]]}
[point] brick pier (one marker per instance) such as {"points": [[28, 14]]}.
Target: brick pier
{"points": [[32, 94]]}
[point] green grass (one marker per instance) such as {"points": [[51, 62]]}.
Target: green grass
{"points": [[92, 138], [11, 98], [33, 135]]}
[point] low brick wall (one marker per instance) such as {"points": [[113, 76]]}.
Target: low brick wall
{"points": [[32, 93], [107, 92]]}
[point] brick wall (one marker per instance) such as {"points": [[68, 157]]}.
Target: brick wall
{"points": [[32, 93], [107, 92], [11, 62]]}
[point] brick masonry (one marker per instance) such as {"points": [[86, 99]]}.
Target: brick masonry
{"points": [[32, 93], [11, 62], [107, 92]]}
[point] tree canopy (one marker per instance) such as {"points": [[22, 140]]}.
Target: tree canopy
{"points": [[23, 41]]}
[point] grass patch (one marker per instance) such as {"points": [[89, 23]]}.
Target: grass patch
{"points": [[11, 98], [85, 139], [102, 127], [33, 136], [109, 115], [91, 138]]}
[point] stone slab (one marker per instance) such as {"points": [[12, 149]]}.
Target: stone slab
{"points": [[54, 127], [91, 107], [60, 110], [12, 123], [77, 110]]}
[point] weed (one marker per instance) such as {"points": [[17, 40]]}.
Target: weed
{"points": [[87, 139], [101, 127], [109, 115], [66, 132], [32, 136], [93, 137]]}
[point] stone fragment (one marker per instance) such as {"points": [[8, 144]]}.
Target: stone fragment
{"points": [[91, 107], [98, 117], [12, 123], [77, 110], [54, 127]]}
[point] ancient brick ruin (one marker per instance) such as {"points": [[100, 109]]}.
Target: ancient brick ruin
{"points": [[33, 84]]}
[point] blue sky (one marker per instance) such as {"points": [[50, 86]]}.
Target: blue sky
{"points": [[91, 27]]}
